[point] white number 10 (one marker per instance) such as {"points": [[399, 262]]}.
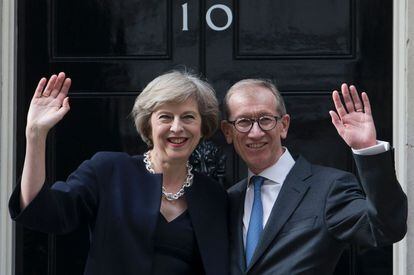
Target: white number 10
{"points": [[210, 23]]}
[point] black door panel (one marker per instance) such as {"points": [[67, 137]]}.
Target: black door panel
{"points": [[112, 49]]}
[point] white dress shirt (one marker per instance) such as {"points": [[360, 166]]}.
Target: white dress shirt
{"points": [[276, 174]]}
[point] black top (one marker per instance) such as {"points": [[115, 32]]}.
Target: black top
{"points": [[176, 249]]}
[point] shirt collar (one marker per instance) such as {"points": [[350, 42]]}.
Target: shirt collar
{"points": [[278, 172]]}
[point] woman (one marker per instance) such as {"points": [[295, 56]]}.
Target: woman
{"points": [[147, 214]]}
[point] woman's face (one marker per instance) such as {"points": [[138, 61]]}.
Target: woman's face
{"points": [[175, 130]]}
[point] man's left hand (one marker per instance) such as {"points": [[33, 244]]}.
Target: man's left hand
{"points": [[353, 121]]}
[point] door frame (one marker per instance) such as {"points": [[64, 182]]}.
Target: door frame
{"points": [[8, 125], [7, 133], [401, 21]]}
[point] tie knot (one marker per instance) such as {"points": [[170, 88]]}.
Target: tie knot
{"points": [[257, 182]]}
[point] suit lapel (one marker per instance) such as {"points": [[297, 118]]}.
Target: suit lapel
{"points": [[145, 207], [202, 218], [237, 225], [292, 192], [141, 199]]}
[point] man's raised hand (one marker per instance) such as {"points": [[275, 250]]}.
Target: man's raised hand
{"points": [[353, 121]]}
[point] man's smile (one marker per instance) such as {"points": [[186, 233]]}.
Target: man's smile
{"points": [[256, 145]]}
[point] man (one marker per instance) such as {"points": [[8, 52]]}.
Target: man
{"points": [[292, 217]]}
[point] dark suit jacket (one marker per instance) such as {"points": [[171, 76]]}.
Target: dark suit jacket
{"points": [[120, 201], [318, 212]]}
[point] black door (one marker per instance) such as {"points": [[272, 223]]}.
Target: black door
{"points": [[111, 49]]}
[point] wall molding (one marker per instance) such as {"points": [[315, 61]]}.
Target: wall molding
{"points": [[7, 143]]}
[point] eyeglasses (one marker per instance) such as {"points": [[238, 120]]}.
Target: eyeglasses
{"points": [[244, 125]]}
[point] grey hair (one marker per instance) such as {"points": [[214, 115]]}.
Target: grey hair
{"points": [[251, 82], [175, 87]]}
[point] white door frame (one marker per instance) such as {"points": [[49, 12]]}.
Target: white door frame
{"points": [[8, 125], [7, 132], [400, 117]]}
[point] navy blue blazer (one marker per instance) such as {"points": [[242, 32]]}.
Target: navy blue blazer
{"points": [[120, 200], [318, 213]]}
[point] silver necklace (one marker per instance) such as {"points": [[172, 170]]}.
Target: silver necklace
{"points": [[187, 183]]}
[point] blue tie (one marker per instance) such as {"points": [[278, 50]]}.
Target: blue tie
{"points": [[256, 219]]}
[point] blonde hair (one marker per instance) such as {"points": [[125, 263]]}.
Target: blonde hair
{"points": [[175, 87], [252, 82]]}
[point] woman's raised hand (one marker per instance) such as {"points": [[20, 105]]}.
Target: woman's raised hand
{"points": [[48, 106]]}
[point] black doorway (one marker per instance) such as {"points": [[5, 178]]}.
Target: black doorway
{"points": [[111, 49]]}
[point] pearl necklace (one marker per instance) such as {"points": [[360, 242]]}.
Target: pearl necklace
{"points": [[187, 183]]}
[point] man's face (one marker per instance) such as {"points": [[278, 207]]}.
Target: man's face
{"points": [[259, 149]]}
